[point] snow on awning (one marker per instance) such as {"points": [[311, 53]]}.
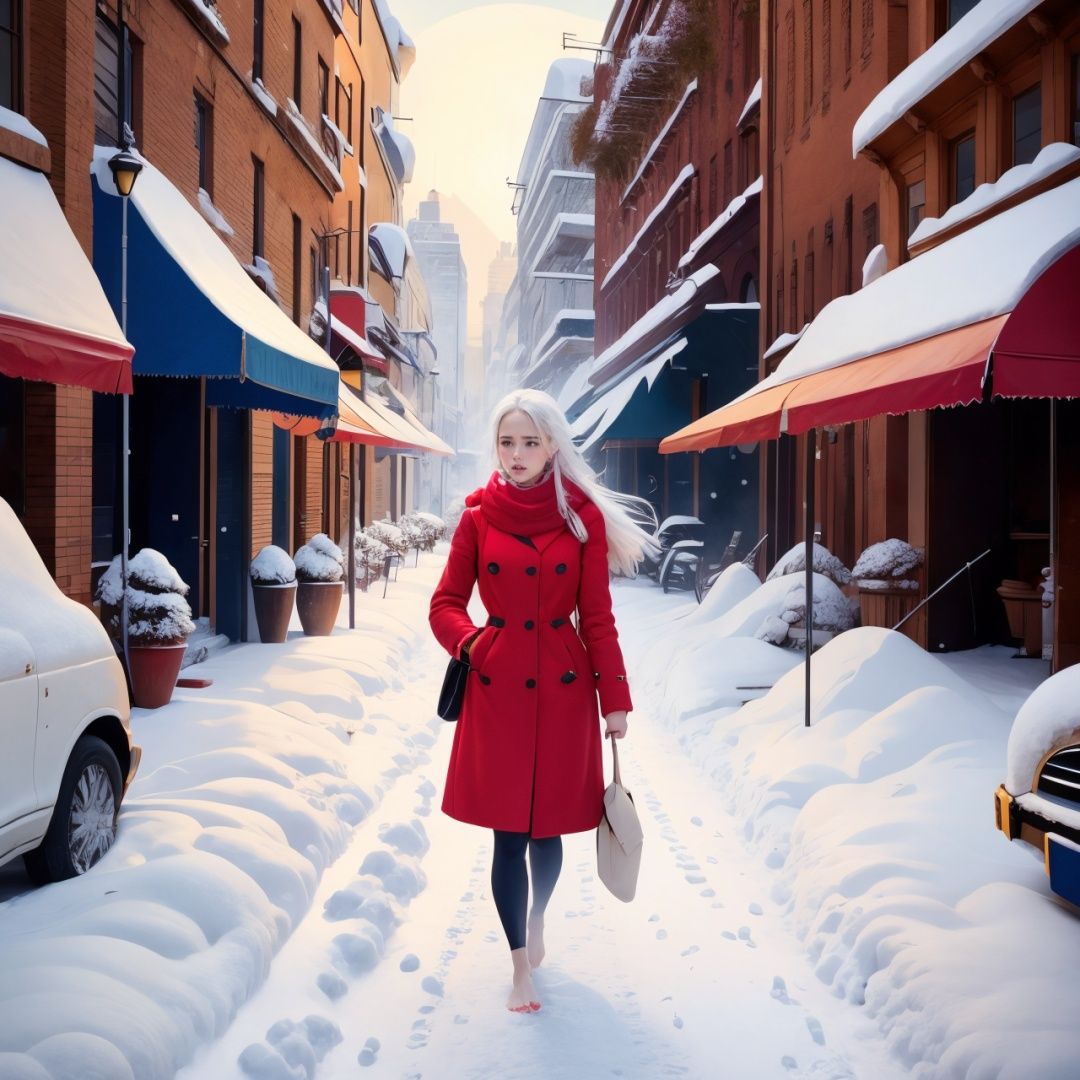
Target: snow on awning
{"points": [[980, 27], [55, 321], [437, 445], [921, 335], [752, 101], [591, 425], [358, 312], [394, 248], [193, 310], [357, 423], [725, 215]]}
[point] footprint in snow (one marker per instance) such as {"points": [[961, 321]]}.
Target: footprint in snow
{"points": [[661, 935], [756, 909], [744, 933], [432, 985], [695, 879], [817, 1033], [410, 962], [789, 1063], [408, 839], [333, 986], [654, 917], [370, 1052], [696, 821], [709, 893], [426, 789], [691, 950], [779, 991], [292, 1046]]}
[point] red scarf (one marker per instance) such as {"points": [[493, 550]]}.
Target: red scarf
{"points": [[524, 511]]}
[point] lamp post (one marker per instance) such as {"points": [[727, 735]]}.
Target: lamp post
{"points": [[125, 168]]}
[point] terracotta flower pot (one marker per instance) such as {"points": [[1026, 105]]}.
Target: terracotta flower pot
{"points": [[154, 669], [317, 604], [273, 610]]}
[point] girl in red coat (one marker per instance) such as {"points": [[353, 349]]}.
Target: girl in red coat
{"points": [[539, 540]]}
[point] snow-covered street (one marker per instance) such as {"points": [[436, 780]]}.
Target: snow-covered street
{"points": [[286, 900]]}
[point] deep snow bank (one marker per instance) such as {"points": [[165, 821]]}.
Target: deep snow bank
{"points": [[878, 823], [246, 793]]}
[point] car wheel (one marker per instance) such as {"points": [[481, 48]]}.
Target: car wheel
{"points": [[83, 825]]}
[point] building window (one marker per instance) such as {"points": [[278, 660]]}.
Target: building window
{"points": [[10, 56], [714, 188], [826, 51], [204, 142], [794, 291], [779, 328], [955, 10], [297, 63], [1027, 125], [751, 59], [343, 109], [808, 59], [728, 178], [867, 29], [257, 40], [808, 287], [361, 130], [789, 47], [107, 103], [962, 164], [915, 197], [845, 36], [258, 209], [870, 228], [1076, 100], [297, 267], [324, 88]]}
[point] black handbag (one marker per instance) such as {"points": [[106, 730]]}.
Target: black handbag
{"points": [[452, 695]]}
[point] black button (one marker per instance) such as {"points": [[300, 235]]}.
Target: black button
{"points": [[561, 568], [529, 624], [485, 680], [556, 623], [493, 567], [530, 570], [569, 677], [496, 621], [530, 684]]}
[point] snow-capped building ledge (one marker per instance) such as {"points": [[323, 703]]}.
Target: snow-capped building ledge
{"points": [[646, 161], [684, 177], [980, 27], [213, 214], [397, 148], [206, 16], [329, 171], [333, 10], [753, 104], [785, 341], [722, 219], [264, 97], [1050, 159]]}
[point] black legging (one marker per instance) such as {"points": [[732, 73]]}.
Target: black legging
{"points": [[510, 881]]}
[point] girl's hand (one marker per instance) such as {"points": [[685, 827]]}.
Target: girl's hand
{"points": [[616, 724]]}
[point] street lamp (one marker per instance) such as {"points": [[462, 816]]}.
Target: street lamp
{"points": [[125, 168]]}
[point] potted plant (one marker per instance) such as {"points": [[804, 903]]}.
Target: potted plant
{"points": [[320, 570], [273, 585], [887, 591], [159, 622], [370, 558]]}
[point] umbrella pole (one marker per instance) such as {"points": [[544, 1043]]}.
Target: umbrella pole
{"points": [[808, 525], [352, 536]]}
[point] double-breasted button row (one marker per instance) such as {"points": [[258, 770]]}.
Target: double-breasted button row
{"points": [[530, 570], [569, 677], [561, 568], [493, 567], [530, 684], [485, 680], [529, 624], [556, 623], [494, 620]]}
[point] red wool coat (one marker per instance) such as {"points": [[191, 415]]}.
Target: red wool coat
{"points": [[527, 754]]}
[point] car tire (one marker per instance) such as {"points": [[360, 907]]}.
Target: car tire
{"points": [[90, 790]]}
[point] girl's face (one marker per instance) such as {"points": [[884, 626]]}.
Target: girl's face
{"points": [[522, 453]]}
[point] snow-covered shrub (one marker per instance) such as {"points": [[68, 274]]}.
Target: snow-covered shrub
{"points": [[370, 555], [272, 566], [158, 614], [412, 531], [832, 610], [887, 563], [423, 530], [452, 515], [390, 535], [825, 562], [320, 559]]}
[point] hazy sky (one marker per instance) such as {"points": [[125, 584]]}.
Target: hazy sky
{"points": [[472, 93]]}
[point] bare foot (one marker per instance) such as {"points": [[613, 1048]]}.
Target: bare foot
{"points": [[535, 946], [523, 998]]}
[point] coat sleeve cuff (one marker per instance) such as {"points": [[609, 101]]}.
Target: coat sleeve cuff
{"points": [[614, 694]]}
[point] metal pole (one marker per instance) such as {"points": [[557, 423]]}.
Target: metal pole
{"points": [[1048, 646], [125, 444], [352, 536], [808, 525]]}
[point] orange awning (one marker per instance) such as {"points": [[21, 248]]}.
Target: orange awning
{"points": [[358, 423], [947, 369]]}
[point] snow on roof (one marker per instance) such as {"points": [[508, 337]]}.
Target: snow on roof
{"points": [[722, 219], [211, 17], [974, 276], [980, 27], [202, 255], [395, 245], [875, 264], [656, 315], [751, 101], [1049, 159], [402, 47], [691, 88], [785, 341], [397, 146], [45, 276], [264, 97], [564, 79], [59, 631], [13, 121], [687, 172]]}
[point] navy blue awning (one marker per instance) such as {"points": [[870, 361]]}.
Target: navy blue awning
{"points": [[194, 311]]}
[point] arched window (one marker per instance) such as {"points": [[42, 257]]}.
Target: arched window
{"points": [[748, 290]]}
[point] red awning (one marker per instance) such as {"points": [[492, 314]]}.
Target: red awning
{"points": [[55, 322], [946, 369], [353, 311], [1037, 353]]}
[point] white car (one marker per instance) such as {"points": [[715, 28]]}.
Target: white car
{"points": [[66, 757]]}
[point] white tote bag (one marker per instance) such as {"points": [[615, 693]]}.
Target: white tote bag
{"points": [[619, 838]]}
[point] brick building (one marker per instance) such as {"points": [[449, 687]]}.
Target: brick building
{"points": [[673, 139]]}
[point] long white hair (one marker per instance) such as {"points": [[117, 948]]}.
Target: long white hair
{"points": [[627, 542]]}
